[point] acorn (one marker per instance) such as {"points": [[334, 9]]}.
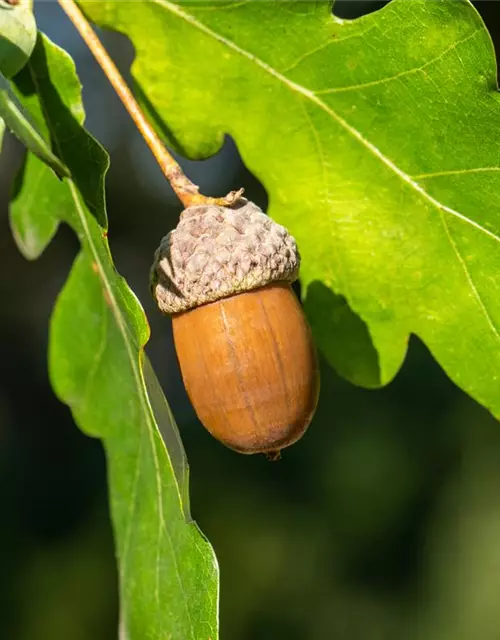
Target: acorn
{"points": [[245, 349]]}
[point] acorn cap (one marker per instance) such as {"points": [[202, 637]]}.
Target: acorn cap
{"points": [[216, 252]]}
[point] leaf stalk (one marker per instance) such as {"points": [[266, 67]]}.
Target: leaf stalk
{"points": [[187, 192]]}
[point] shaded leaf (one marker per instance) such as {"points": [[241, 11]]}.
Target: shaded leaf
{"points": [[168, 573], [22, 126], [17, 36], [377, 140]]}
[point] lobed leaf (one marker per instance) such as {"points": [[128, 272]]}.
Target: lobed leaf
{"points": [[377, 141], [167, 570]]}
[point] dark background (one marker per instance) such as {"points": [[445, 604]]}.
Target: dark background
{"points": [[382, 523]]}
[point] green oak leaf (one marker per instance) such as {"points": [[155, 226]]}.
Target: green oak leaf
{"points": [[167, 570], [23, 127], [377, 140], [17, 36]]}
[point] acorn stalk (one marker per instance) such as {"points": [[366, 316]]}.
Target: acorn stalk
{"points": [[245, 349]]}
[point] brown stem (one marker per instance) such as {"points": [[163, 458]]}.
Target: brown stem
{"points": [[186, 191]]}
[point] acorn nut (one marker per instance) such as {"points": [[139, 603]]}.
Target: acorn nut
{"points": [[245, 349]]}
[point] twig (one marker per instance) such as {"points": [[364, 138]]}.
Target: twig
{"points": [[186, 191]]}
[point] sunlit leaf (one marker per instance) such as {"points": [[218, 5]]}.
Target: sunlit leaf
{"points": [[23, 127]]}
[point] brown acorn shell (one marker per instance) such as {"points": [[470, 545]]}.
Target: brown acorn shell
{"points": [[250, 368]]}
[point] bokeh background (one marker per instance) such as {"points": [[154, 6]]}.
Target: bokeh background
{"points": [[382, 523]]}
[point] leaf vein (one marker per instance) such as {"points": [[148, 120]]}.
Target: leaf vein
{"points": [[468, 276], [132, 508], [401, 74], [98, 354], [224, 7], [325, 45], [453, 172], [317, 140]]}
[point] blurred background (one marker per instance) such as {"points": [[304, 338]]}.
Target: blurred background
{"points": [[382, 523]]}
